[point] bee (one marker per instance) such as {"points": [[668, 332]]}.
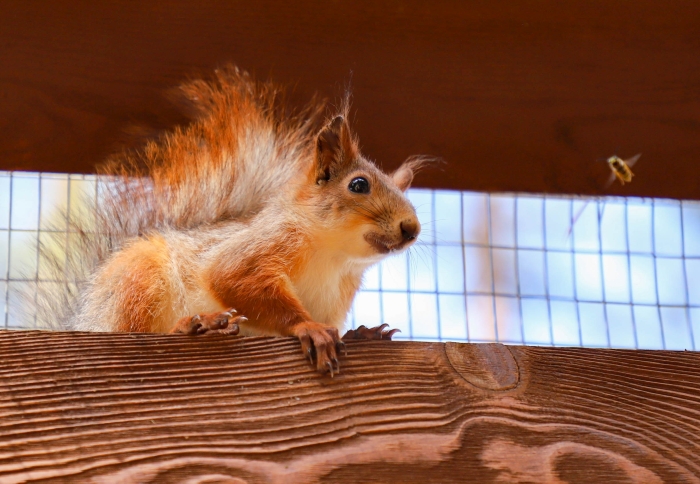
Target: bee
{"points": [[621, 169]]}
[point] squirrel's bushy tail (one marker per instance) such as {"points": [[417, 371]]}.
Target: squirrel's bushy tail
{"points": [[243, 149]]}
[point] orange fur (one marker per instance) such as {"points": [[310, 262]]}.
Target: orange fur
{"points": [[137, 275], [261, 290]]}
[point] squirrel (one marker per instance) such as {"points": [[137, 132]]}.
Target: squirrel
{"points": [[249, 219]]}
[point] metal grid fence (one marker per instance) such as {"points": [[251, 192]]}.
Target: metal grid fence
{"points": [[31, 211], [487, 267]]}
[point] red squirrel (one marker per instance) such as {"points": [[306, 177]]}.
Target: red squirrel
{"points": [[249, 218]]}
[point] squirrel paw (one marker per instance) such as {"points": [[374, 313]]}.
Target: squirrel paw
{"points": [[225, 322], [365, 333], [320, 343]]}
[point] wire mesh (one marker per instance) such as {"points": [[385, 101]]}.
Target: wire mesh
{"points": [[505, 268]]}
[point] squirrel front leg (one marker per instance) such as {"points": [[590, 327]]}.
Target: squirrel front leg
{"points": [[267, 299]]}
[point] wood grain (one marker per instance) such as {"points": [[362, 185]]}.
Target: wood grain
{"points": [[524, 96], [153, 408]]}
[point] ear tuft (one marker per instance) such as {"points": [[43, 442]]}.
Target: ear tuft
{"points": [[334, 148], [337, 123], [403, 177]]}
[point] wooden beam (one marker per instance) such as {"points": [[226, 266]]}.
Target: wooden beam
{"points": [[524, 96], [158, 408]]}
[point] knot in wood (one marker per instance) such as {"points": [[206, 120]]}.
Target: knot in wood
{"points": [[488, 366]]}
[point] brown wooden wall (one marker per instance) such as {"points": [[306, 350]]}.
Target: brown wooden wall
{"points": [[520, 96]]}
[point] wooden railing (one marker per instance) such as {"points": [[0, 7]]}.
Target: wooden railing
{"points": [[157, 408]]}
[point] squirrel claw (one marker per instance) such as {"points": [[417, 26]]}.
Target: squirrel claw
{"points": [[340, 346], [365, 333], [210, 323], [319, 343]]}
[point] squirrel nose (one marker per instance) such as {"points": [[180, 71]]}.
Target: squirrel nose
{"points": [[409, 229]]}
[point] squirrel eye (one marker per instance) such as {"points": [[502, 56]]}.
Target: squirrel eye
{"points": [[359, 185]]}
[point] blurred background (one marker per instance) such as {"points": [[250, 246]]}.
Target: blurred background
{"points": [[523, 101], [487, 267]]}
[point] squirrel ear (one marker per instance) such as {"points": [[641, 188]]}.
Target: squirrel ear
{"points": [[334, 148], [403, 177]]}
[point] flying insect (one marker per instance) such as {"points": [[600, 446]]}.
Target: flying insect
{"points": [[621, 169]]}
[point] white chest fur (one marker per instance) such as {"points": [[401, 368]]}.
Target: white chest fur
{"points": [[326, 288]]}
